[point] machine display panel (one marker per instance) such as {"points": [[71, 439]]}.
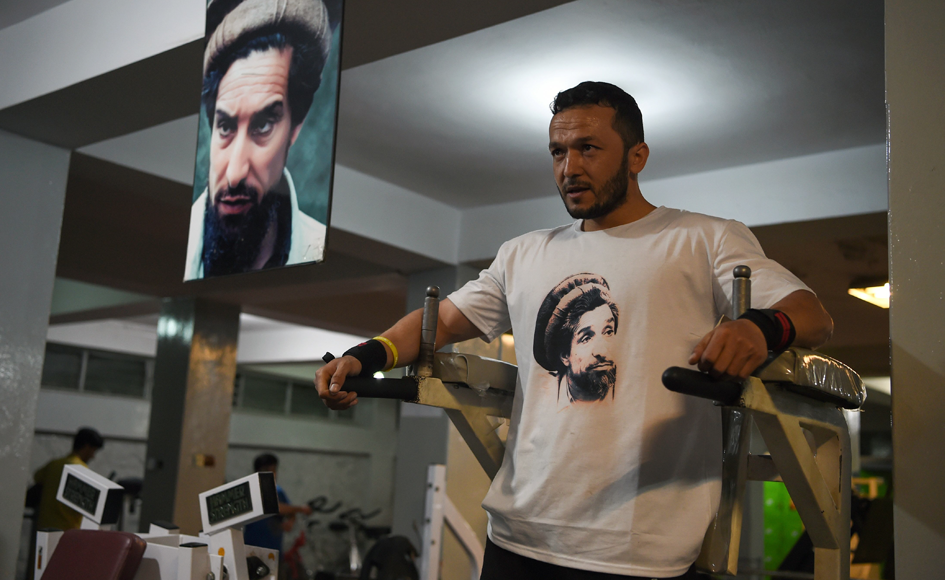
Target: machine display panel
{"points": [[229, 503], [266, 136], [81, 494]]}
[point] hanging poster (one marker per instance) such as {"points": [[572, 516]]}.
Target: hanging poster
{"points": [[265, 148]]}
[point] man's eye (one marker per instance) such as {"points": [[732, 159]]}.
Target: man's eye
{"points": [[556, 152], [225, 127], [609, 331], [584, 338], [588, 147], [263, 128]]}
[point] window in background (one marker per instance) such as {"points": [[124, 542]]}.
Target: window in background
{"points": [[62, 367], [263, 393], [305, 401], [116, 374], [271, 393], [94, 371]]}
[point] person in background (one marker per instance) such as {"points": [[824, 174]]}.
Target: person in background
{"points": [[267, 533], [52, 513]]}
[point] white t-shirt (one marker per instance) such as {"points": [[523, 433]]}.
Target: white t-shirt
{"points": [[605, 469]]}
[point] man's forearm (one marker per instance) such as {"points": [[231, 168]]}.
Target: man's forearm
{"points": [[812, 324], [452, 326]]}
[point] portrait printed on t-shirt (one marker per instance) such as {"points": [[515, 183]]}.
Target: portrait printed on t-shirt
{"points": [[574, 335]]}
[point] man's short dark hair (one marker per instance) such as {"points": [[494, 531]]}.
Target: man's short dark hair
{"points": [[628, 120], [86, 436], [305, 70], [265, 460]]}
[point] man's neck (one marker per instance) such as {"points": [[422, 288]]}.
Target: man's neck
{"points": [[633, 209]]}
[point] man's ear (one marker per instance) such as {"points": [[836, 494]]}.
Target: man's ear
{"points": [[637, 156], [295, 133]]}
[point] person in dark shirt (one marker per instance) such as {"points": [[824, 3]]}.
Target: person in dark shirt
{"points": [[268, 532]]}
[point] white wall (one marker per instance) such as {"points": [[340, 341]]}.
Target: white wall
{"points": [[65, 412], [260, 340], [112, 335], [388, 213], [831, 184], [82, 39], [371, 438]]}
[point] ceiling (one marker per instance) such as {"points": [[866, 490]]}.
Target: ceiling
{"points": [[720, 84], [449, 99], [14, 11]]}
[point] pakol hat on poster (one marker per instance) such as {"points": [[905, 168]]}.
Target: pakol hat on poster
{"points": [[232, 22], [553, 315]]}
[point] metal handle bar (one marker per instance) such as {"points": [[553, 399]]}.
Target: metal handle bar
{"points": [[358, 514], [318, 505], [404, 389], [690, 382]]}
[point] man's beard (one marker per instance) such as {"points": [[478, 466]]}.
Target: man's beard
{"points": [[612, 194], [231, 243], [593, 384]]}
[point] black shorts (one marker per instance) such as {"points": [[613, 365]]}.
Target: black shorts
{"points": [[500, 564]]}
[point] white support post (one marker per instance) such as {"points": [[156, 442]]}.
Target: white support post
{"points": [[433, 523], [440, 510], [466, 536], [228, 543], [46, 542]]}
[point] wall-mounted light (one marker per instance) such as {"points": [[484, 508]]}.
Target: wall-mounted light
{"points": [[878, 294]]}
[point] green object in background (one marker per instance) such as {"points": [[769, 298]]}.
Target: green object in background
{"points": [[782, 524], [883, 489]]}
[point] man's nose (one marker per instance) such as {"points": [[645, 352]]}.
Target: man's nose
{"points": [[573, 164], [601, 350], [237, 168]]}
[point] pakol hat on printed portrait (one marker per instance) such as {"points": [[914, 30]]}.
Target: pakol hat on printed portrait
{"points": [[550, 327], [230, 23]]}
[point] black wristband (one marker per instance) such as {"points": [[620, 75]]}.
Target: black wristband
{"points": [[371, 354], [775, 325]]}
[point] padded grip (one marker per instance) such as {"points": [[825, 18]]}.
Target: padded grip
{"points": [[697, 384], [404, 389]]}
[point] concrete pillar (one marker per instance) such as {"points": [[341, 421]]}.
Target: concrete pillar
{"points": [[915, 85], [32, 194], [190, 409], [423, 433]]}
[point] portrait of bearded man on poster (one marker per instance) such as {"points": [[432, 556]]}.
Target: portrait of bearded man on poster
{"points": [[574, 334], [262, 65]]}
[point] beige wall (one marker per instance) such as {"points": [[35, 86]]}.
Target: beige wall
{"points": [[915, 91]]}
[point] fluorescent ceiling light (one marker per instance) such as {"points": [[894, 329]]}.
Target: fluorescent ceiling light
{"points": [[878, 295]]}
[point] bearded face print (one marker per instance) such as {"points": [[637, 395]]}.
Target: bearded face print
{"points": [[574, 338]]}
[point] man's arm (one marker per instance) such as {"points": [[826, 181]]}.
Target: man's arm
{"points": [[452, 326], [738, 347], [287, 509]]}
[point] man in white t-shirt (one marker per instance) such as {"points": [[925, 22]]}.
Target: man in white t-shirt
{"points": [[607, 474]]}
